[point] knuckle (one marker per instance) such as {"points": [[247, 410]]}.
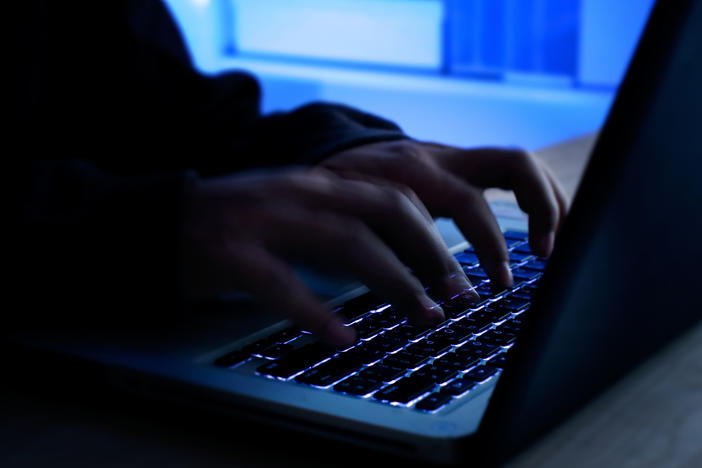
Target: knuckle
{"points": [[411, 153], [340, 230], [524, 159], [395, 200], [354, 235], [408, 194]]}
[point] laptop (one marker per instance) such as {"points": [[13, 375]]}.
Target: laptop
{"points": [[496, 375]]}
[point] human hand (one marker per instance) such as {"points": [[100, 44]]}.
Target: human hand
{"points": [[241, 231], [451, 181]]}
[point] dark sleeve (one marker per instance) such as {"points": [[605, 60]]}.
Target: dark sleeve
{"points": [[222, 112], [310, 133], [233, 141]]}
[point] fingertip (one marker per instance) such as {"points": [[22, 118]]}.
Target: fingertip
{"points": [[430, 310], [499, 272], [459, 285]]}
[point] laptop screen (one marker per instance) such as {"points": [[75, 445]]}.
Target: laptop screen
{"points": [[623, 278]]}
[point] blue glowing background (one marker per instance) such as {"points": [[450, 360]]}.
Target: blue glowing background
{"points": [[464, 72]]}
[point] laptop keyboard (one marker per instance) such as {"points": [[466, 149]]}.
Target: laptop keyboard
{"points": [[402, 364]]}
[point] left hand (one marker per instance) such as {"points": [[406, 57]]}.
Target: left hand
{"points": [[451, 181]]}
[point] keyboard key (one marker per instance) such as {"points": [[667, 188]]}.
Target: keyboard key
{"points": [[457, 306], [296, 360], [523, 248], [499, 361], [538, 264], [438, 374], [452, 334], [513, 304], [494, 313], [523, 274], [286, 335], [497, 292], [480, 373], [331, 371], [433, 401], [409, 331], [429, 347], [257, 346], [368, 327], [232, 359], [357, 385], [485, 292], [405, 390], [382, 372], [467, 259], [457, 361], [389, 318], [479, 349], [513, 325], [469, 325], [405, 360], [511, 243], [365, 353], [458, 387], [498, 337], [476, 273], [386, 343], [480, 317], [518, 257], [522, 294], [276, 351], [517, 235], [356, 307]]}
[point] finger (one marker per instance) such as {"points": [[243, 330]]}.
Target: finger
{"points": [[559, 192], [402, 222], [331, 240], [275, 285], [404, 189], [521, 172], [536, 196], [475, 219]]}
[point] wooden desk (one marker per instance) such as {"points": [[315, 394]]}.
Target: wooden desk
{"points": [[651, 418]]}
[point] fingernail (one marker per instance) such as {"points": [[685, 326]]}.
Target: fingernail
{"points": [[430, 309], [546, 243]]}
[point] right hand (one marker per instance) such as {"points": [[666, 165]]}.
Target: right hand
{"points": [[241, 231]]}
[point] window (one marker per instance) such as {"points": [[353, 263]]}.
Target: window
{"points": [[370, 32], [572, 42], [463, 72]]}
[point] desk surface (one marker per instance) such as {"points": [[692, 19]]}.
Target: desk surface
{"points": [[650, 418]]}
